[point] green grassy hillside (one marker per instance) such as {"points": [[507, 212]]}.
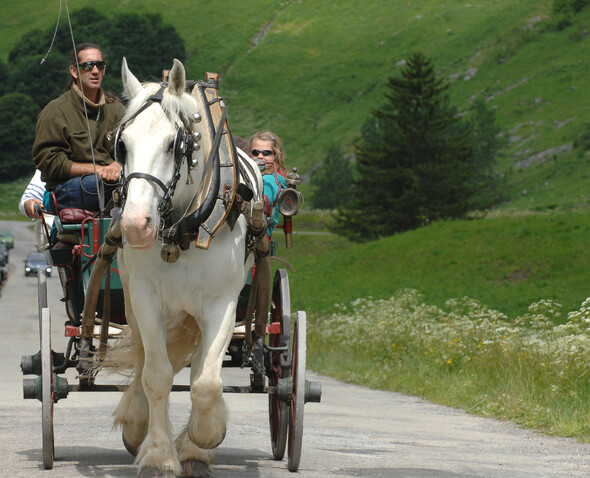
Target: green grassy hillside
{"points": [[312, 71]]}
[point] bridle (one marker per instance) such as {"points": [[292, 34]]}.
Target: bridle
{"points": [[183, 148]]}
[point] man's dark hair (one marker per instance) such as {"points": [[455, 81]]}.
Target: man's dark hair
{"points": [[82, 47]]}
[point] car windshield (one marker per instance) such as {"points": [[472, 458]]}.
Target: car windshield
{"points": [[36, 257]]}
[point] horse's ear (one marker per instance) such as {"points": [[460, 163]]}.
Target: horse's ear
{"points": [[177, 79], [131, 85]]}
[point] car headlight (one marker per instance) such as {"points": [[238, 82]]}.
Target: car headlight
{"points": [[28, 269]]}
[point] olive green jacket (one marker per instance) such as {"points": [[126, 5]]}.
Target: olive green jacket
{"points": [[62, 134]]}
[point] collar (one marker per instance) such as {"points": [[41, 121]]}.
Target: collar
{"points": [[101, 98]]}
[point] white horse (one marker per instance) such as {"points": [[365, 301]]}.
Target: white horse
{"points": [[182, 311]]}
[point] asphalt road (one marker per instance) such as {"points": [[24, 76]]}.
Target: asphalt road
{"points": [[354, 432]]}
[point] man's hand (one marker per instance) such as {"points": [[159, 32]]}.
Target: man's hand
{"points": [[30, 207], [111, 173]]}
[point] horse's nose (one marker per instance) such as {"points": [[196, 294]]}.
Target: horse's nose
{"points": [[138, 230]]}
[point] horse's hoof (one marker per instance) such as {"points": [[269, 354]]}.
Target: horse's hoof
{"points": [[152, 472], [129, 448], [195, 469], [206, 446]]}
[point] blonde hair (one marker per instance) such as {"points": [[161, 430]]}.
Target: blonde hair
{"points": [[277, 148]]}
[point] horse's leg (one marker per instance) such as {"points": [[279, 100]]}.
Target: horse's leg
{"points": [[183, 341], [206, 427], [157, 453], [132, 412], [132, 415]]}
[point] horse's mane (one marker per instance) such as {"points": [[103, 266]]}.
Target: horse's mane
{"points": [[178, 107]]}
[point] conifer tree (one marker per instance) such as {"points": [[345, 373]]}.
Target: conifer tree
{"points": [[414, 163], [486, 142], [332, 181]]}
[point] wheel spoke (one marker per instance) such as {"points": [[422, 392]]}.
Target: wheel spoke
{"points": [[277, 408], [47, 389], [298, 392]]}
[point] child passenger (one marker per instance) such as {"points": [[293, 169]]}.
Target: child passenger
{"points": [[266, 149]]}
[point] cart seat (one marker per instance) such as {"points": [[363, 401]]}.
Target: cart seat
{"points": [[76, 237], [70, 216]]}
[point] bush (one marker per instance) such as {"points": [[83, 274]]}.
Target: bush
{"points": [[332, 180], [582, 141], [18, 116], [566, 6]]}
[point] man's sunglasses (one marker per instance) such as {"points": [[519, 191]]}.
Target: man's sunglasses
{"points": [[89, 65], [265, 152]]}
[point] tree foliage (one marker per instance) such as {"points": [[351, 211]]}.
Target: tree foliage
{"points": [[3, 78], [415, 163], [149, 44], [37, 81], [332, 180], [569, 6], [17, 112], [486, 141], [582, 141]]}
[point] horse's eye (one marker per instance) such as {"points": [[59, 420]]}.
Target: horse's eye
{"points": [[170, 146]]}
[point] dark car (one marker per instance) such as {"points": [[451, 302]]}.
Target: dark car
{"points": [[7, 238], [3, 254], [34, 262]]}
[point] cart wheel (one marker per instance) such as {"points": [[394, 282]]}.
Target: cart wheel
{"points": [[280, 361], [298, 392], [47, 389], [41, 293], [47, 385]]}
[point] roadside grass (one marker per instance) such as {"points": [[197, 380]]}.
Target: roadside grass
{"points": [[527, 369]]}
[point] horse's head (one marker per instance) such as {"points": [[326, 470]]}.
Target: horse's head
{"points": [[153, 142]]}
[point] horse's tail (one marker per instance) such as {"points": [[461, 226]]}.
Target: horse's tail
{"points": [[182, 340]]}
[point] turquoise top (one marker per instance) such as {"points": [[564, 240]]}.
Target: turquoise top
{"points": [[273, 185]]}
